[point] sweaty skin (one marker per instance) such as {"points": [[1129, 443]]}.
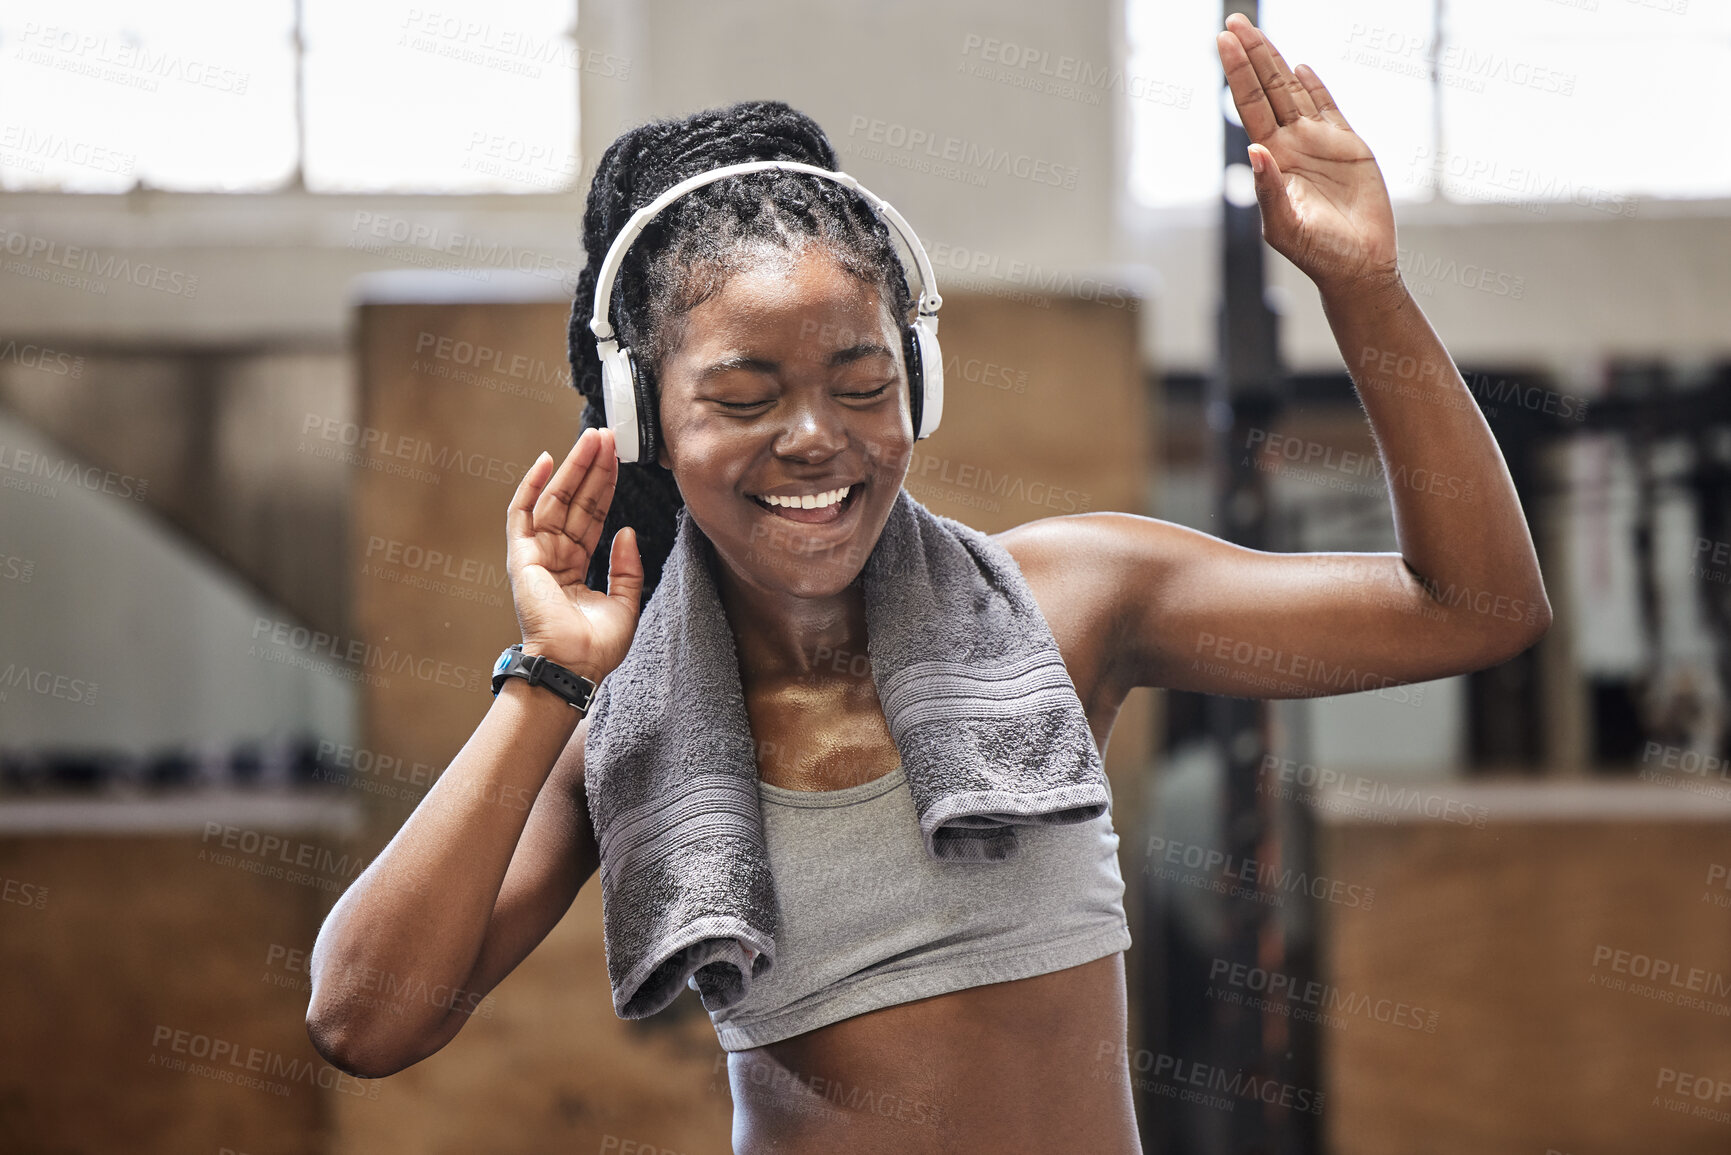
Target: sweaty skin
{"points": [[790, 379], [1036, 1064]]}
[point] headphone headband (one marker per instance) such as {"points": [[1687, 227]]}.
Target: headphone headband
{"points": [[600, 323]]}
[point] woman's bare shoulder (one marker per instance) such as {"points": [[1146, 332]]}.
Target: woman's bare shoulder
{"points": [[1078, 569]]}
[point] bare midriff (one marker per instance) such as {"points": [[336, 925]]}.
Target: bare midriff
{"points": [[1033, 1065]]}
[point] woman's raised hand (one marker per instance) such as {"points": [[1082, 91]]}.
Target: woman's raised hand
{"points": [[551, 530], [1325, 206]]}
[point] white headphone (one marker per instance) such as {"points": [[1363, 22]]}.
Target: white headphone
{"points": [[628, 398]]}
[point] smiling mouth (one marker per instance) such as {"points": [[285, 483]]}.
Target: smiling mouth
{"points": [[822, 515]]}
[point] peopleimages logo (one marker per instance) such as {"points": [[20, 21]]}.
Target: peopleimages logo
{"points": [[24, 147], [303, 645], [1029, 275], [1415, 263], [227, 1061], [1311, 782], [930, 468], [1174, 1070], [955, 150], [46, 683], [1664, 971], [1068, 77], [466, 247], [55, 471], [485, 358], [42, 357], [1324, 998], [123, 60], [1217, 866], [80, 259]]}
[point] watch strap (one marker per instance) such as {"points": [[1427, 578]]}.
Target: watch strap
{"points": [[537, 670]]}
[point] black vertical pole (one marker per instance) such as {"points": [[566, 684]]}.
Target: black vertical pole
{"points": [[1244, 394]]}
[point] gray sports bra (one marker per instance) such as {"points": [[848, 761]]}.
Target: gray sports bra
{"points": [[868, 919]]}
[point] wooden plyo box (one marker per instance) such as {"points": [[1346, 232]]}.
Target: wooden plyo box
{"points": [[1569, 943], [153, 957]]}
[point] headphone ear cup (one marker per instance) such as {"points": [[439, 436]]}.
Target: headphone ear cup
{"points": [[648, 420], [916, 376], [619, 397], [922, 338]]}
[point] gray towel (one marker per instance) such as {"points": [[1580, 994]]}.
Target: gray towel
{"points": [[979, 705]]}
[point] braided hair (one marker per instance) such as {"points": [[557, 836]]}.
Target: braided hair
{"points": [[687, 253]]}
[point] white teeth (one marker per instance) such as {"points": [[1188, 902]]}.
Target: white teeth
{"points": [[809, 501]]}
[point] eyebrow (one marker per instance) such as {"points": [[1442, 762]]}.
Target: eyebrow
{"points": [[760, 365]]}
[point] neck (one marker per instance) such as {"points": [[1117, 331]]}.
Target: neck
{"points": [[782, 637]]}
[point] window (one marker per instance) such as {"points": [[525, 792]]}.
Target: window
{"points": [[1529, 102], [328, 95]]}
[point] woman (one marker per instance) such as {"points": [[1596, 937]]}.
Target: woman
{"points": [[766, 310]]}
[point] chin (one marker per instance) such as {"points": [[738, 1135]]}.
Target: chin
{"points": [[820, 577]]}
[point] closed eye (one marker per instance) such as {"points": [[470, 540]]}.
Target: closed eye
{"points": [[878, 392]]}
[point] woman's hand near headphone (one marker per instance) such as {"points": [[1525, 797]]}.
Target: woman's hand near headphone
{"points": [[551, 530]]}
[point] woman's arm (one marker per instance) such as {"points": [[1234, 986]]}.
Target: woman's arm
{"points": [[1326, 208], [1456, 514], [471, 883], [1186, 610], [493, 855]]}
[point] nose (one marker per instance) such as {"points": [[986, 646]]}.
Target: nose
{"points": [[814, 428]]}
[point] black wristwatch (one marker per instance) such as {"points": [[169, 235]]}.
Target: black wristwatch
{"points": [[538, 671]]}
